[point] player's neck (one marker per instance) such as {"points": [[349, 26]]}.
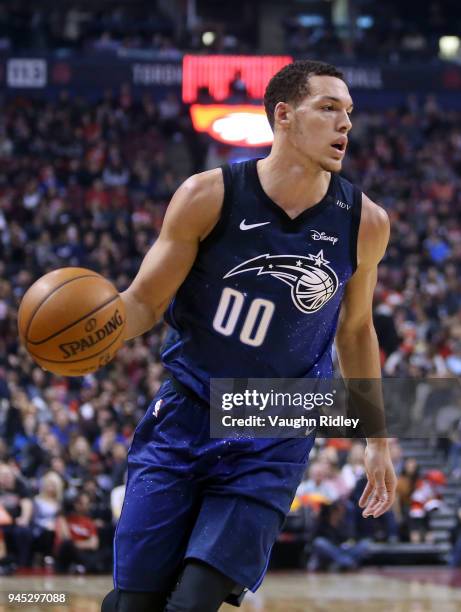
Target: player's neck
{"points": [[293, 185]]}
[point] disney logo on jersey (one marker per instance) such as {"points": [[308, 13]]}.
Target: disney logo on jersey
{"points": [[313, 282], [316, 235]]}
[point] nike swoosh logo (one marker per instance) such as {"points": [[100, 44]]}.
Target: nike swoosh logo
{"points": [[244, 226]]}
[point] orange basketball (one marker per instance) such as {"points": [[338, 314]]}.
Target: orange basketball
{"points": [[71, 321]]}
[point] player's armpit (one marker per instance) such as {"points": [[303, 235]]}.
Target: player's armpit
{"points": [[193, 212]]}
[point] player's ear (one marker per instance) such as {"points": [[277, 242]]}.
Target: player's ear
{"points": [[282, 114]]}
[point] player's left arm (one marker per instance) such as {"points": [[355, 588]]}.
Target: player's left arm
{"points": [[358, 349]]}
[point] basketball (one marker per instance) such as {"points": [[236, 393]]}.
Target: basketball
{"points": [[71, 321]]}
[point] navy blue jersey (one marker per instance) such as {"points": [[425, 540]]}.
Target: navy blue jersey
{"points": [[263, 296]]}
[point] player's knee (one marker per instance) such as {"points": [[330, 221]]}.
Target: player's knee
{"points": [[109, 602], [199, 603], [127, 601], [201, 588]]}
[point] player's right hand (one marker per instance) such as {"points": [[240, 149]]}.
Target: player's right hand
{"points": [[379, 493]]}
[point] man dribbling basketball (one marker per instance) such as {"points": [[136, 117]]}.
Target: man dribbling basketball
{"points": [[200, 515]]}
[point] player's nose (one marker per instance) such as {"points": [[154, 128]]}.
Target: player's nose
{"points": [[345, 122]]}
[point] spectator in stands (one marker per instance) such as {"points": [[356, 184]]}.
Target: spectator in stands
{"points": [[425, 499], [5, 565], [117, 464], [78, 467], [78, 542], [454, 455], [99, 503], [63, 426], [317, 488], [353, 469], [455, 557], [47, 506], [333, 546], [406, 485], [26, 436], [15, 516], [237, 89]]}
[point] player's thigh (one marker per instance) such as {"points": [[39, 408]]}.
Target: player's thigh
{"points": [[160, 505], [235, 535], [153, 530], [245, 505]]}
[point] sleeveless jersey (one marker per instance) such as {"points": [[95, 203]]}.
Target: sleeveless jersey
{"points": [[263, 296]]}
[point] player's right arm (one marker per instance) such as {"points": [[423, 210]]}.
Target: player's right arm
{"points": [[191, 215]]}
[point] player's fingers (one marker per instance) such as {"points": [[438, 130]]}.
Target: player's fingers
{"points": [[381, 508], [379, 503], [369, 508], [379, 494], [387, 500], [366, 494]]}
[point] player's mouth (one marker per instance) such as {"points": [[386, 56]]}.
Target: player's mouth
{"points": [[339, 146]]}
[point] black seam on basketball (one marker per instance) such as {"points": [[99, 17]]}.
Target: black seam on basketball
{"points": [[50, 294], [88, 314], [61, 361]]}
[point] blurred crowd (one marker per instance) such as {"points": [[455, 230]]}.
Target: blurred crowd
{"points": [[337, 536], [326, 507], [409, 160], [84, 186], [391, 32], [85, 26], [87, 185]]}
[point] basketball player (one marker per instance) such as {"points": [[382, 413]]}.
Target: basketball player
{"points": [[200, 515]]}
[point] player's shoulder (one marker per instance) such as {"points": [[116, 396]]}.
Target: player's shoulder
{"points": [[374, 230], [204, 186], [374, 217], [196, 205]]}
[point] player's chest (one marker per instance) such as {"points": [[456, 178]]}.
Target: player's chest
{"points": [[274, 255]]}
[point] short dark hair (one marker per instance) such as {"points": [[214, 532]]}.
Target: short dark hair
{"points": [[291, 83]]}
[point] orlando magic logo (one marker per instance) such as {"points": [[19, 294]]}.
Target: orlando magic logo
{"points": [[311, 279]]}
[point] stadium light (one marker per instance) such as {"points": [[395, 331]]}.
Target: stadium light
{"points": [[242, 125], [449, 46], [208, 38], [365, 22]]}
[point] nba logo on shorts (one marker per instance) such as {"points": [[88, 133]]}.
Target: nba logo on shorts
{"points": [[157, 407]]}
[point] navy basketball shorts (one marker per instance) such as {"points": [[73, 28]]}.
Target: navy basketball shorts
{"points": [[222, 501]]}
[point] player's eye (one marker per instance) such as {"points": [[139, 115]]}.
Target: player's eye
{"points": [[329, 107]]}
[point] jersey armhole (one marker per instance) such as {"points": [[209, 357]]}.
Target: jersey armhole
{"points": [[218, 229], [355, 225]]}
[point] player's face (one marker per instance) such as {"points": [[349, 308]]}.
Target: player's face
{"points": [[320, 124]]}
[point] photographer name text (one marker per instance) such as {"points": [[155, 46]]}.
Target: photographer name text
{"points": [[291, 422]]}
